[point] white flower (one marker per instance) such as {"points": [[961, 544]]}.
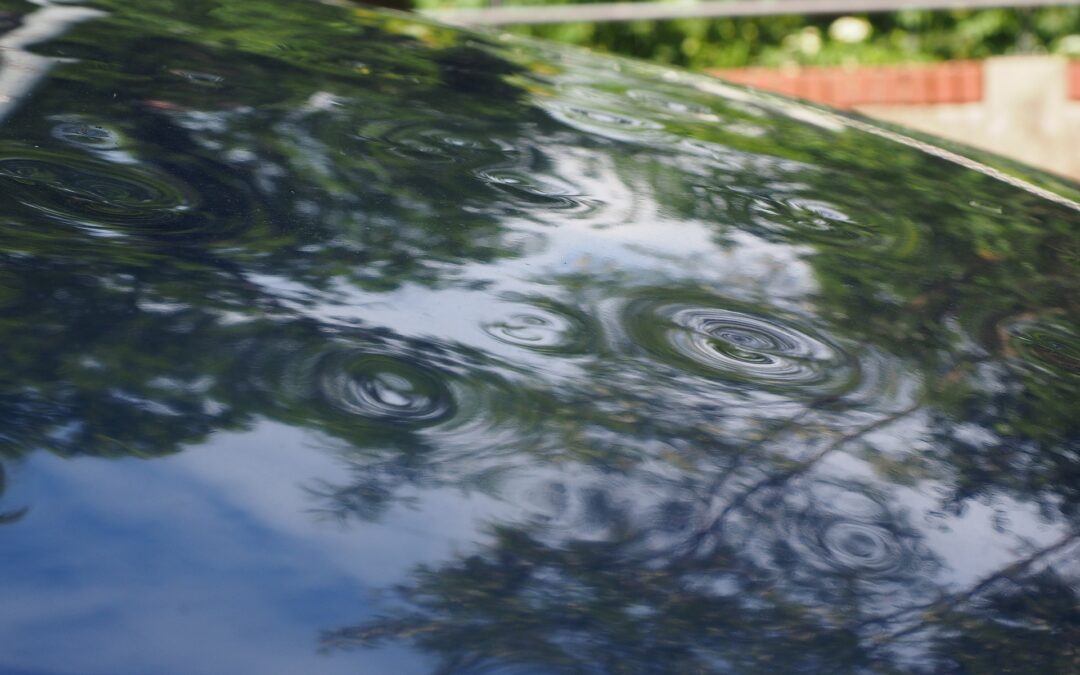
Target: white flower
{"points": [[1070, 44], [807, 41], [850, 29]]}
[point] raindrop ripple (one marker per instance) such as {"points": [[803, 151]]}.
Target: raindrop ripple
{"points": [[95, 193], [741, 344]]}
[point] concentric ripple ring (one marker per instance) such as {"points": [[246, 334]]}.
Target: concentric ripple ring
{"points": [[95, 192], [741, 344]]}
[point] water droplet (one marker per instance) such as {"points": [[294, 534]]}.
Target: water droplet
{"points": [[87, 135]]}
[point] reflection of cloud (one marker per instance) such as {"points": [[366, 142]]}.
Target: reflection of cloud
{"points": [[201, 550], [973, 544], [633, 234], [274, 496]]}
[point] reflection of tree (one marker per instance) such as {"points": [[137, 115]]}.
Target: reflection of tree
{"points": [[709, 571], [140, 335], [1030, 624], [590, 606], [586, 608]]}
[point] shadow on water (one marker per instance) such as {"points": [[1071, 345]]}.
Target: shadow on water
{"points": [[744, 389]]}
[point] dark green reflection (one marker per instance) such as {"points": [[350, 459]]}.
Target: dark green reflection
{"points": [[744, 382]]}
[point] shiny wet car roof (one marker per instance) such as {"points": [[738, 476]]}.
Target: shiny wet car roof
{"points": [[338, 341]]}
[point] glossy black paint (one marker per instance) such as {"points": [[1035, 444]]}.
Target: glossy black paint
{"points": [[335, 341]]}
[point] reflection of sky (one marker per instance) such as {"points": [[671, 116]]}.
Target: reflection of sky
{"points": [[213, 561], [632, 242], [968, 543], [208, 561], [636, 244]]}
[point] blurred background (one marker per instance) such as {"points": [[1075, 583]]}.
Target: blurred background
{"points": [[998, 75]]}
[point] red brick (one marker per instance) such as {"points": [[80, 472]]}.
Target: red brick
{"points": [[953, 82], [938, 85], [1074, 79]]}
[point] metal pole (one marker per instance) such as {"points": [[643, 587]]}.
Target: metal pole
{"points": [[637, 11]]}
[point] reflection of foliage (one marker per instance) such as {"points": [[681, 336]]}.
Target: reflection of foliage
{"points": [[139, 331], [1030, 625], [586, 608], [531, 599], [590, 606]]}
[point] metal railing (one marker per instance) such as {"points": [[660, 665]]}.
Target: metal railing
{"points": [[635, 11]]}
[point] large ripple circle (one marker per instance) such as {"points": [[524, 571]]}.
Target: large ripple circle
{"points": [[840, 529], [340, 381], [866, 547], [451, 142], [85, 134], [813, 221], [95, 191], [382, 387], [460, 409], [601, 113], [529, 191], [741, 344], [831, 528]]}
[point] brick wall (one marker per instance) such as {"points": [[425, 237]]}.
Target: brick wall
{"points": [[1024, 107], [847, 87]]}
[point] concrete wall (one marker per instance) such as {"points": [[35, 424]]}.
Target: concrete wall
{"points": [[1026, 113], [1023, 107]]}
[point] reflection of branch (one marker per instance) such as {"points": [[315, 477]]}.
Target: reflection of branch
{"points": [[779, 479], [9, 516], [782, 478], [373, 491], [717, 486], [934, 610]]}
